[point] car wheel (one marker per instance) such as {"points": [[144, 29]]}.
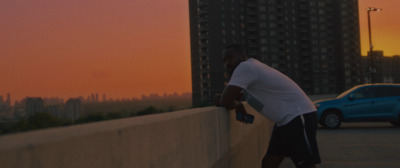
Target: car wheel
{"points": [[395, 123], [331, 119]]}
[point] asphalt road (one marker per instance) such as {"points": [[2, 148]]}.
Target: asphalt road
{"points": [[358, 145]]}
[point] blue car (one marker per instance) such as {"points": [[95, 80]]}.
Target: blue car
{"points": [[362, 103]]}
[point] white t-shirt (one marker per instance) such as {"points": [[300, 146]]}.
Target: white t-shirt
{"points": [[270, 92]]}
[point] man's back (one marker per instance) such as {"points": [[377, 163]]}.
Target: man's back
{"points": [[270, 92]]}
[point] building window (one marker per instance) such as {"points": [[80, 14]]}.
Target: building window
{"points": [[347, 73], [314, 27], [263, 17], [262, 9], [263, 25], [348, 82], [272, 17], [316, 90], [275, 65], [264, 41]]}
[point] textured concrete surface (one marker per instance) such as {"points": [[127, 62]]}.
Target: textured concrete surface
{"points": [[203, 137], [358, 145]]}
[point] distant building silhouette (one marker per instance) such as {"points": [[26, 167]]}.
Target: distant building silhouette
{"points": [[387, 68], [93, 98], [314, 42], [33, 105], [377, 57], [81, 99], [73, 109], [394, 63], [97, 98], [53, 101], [5, 109], [7, 101], [55, 110]]}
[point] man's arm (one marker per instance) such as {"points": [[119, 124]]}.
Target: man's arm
{"points": [[229, 96], [229, 100], [217, 98]]}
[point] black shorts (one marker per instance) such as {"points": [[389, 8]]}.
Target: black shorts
{"points": [[297, 140]]}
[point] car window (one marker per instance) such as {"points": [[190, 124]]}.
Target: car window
{"points": [[347, 92], [382, 91], [396, 91], [391, 91], [366, 92]]}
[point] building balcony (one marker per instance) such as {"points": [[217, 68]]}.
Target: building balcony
{"points": [[202, 3], [203, 28], [204, 45], [252, 20], [205, 70], [203, 20], [205, 62], [204, 37], [252, 29], [202, 12], [252, 5]]}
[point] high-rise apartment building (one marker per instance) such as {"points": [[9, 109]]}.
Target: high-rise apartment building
{"points": [[314, 42]]}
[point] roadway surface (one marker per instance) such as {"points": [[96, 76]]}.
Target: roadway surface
{"points": [[358, 145]]}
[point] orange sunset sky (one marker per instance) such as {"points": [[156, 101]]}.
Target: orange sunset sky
{"points": [[122, 48]]}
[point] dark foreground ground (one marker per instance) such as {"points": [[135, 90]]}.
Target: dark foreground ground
{"points": [[358, 145]]}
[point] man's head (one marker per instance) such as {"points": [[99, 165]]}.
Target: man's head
{"points": [[232, 56]]}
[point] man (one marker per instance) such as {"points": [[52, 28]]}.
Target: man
{"points": [[278, 98]]}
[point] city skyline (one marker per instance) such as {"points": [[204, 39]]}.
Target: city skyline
{"points": [[125, 49], [94, 98]]}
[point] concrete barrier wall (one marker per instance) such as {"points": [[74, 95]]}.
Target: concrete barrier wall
{"points": [[324, 96], [202, 137]]}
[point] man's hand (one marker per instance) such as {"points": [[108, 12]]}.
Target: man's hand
{"points": [[229, 96], [240, 109], [229, 101]]}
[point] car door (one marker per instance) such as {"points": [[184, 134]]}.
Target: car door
{"points": [[360, 105], [384, 103]]}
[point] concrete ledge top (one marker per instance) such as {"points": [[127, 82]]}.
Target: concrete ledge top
{"points": [[44, 136]]}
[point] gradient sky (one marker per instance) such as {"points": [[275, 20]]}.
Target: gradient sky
{"points": [[122, 48], [385, 26]]}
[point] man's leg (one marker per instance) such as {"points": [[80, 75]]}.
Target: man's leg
{"points": [[297, 139], [304, 149], [272, 161], [276, 150]]}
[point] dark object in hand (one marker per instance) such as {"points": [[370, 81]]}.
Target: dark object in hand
{"points": [[248, 118]]}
